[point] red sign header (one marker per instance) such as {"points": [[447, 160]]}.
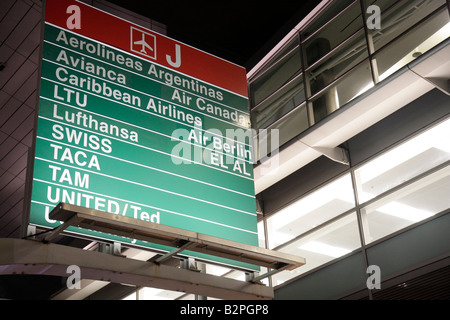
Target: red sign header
{"points": [[104, 27]]}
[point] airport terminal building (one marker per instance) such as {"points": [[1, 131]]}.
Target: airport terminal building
{"points": [[350, 120]]}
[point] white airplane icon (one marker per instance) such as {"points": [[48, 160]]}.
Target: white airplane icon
{"points": [[144, 44]]}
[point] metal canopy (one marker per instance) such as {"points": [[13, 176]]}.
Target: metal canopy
{"points": [[177, 238], [37, 258]]}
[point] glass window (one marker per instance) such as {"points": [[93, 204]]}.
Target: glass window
{"points": [[278, 104], [416, 202], [261, 234], [413, 44], [310, 211], [353, 84], [332, 34], [332, 11], [406, 161], [402, 16], [283, 52], [292, 125], [276, 77], [327, 243], [382, 4], [345, 57], [285, 129]]}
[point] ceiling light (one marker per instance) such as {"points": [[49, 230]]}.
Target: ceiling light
{"points": [[405, 212], [436, 137], [325, 249], [339, 189]]}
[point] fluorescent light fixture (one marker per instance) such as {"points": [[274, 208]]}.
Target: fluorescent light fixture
{"points": [[325, 249], [436, 137], [276, 238], [340, 189], [148, 293], [405, 212]]}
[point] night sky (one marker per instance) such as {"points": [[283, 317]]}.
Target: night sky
{"points": [[238, 31]]}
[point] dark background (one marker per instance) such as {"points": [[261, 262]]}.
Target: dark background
{"points": [[238, 31]]}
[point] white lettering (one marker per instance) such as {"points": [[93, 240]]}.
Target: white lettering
{"points": [[177, 62]]}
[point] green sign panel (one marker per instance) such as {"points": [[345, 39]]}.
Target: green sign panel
{"points": [[120, 132]]}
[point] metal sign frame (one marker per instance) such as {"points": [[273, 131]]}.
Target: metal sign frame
{"points": [[58, 167], [177, 238]]}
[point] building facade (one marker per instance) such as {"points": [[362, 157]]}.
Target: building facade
{"points": [[354, 106], [351, 114]]}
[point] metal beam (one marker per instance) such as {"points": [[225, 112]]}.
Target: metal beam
{"points": [[55, 232], [170, 254], [173, 237], [34, 257]]}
